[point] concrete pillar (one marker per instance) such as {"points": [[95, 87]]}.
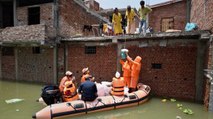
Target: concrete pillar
{"points": [[201, 48], [0, 63], [16, 62], [211, 97], [119, 47], [14, 13], [188, 10], [56, 16], [66, 52], [211, 83], [55, 64]]}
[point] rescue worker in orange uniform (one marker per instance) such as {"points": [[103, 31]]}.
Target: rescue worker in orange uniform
{"points": [[135, 71], [70, 92], [118, 84], [68, 77], [126, 68], [86, 74]]}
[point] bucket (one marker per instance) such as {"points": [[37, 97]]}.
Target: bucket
{"points": [[123, 53]]}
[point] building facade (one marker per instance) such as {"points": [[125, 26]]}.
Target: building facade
{"points": [[168, 15], [32, 30], [40, 40], [201, 14]]}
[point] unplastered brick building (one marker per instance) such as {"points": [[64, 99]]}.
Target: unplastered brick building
{"points": [[201, 14], [32, 29], [168, 15], [41, 39]]}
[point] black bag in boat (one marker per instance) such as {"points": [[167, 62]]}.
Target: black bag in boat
{"points": [[51, 94]]}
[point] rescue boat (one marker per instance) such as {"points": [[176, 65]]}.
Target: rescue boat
{"points": [[79, 107]]}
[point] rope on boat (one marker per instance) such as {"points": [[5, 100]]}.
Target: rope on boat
{"points": [[137, 98], [51, 112], [85, 106], [99, 100], [114, 102], [125, 96], [71, 106]]}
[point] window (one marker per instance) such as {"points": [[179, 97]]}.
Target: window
{"points": [[6, 14], [167, 23], [33, 15], [90, 49], [36, 50], [7, 51], [156, 66]]}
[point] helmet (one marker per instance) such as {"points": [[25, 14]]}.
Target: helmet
{"points": [[68, 83], [124, 50], [84, 70], [117, 74], [68, 73], [138, 59]]}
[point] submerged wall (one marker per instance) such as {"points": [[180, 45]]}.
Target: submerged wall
{"points": [[172, 63]]}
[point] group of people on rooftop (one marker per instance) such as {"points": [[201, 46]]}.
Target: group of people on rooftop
{"points": [[89, 90], [130, 16]]}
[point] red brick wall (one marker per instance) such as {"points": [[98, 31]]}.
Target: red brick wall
{"points": [[175, 79], [201, 13], [31, 67], [175, 10], [96, 6], [102, 65], [207, 84], [8, 67], [35, 67], [46, 17], [177, 76], [73, 17]]}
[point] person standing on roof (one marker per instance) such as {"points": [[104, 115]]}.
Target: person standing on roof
{"points": [[143, 11], [68, 77], [130, 16], [116, 20]]}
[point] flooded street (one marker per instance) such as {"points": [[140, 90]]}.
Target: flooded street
{"points": [[153, 109]]}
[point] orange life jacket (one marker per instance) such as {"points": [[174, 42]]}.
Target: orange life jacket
{"points": [[118, 86], [83, 78], [63, 80], [126, 68], [70, 93], [136, 67]]}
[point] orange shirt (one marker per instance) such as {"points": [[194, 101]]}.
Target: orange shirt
{"points": [[83, 78]]}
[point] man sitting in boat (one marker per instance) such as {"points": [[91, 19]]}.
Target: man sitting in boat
{"points": [[118, 84], [70, 92], [68, 77], [85, 72], [88, 90]]}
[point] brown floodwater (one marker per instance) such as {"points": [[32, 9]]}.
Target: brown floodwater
{"points": [[153, 109]]}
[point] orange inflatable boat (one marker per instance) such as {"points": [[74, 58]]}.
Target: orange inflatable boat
{"points": [[79, 107]]}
